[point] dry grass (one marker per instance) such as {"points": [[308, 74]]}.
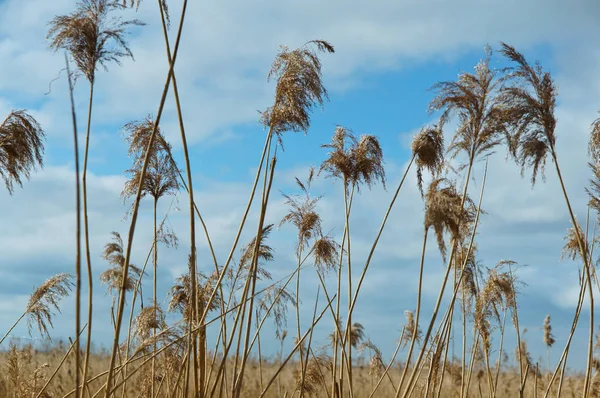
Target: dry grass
{"points": [[25, 367]]}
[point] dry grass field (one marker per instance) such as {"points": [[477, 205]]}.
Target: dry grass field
{"points": [[26, 370]]}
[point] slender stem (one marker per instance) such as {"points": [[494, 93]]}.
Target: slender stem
{"points": [[471, 363], [500, 350], [447, 346], [115, 346], [64, 358], [335, 383], [199, 371], [314, 323], [412, 379], [440, 296], [86, 232], [374, 246], [337, 325], [584, 257], [386, 371], [563, 358], [138, 291], [342, 337], [77, 235], [308, 347], [14, 325], [463, 356], [417, 311], [155, 297], [260, 369], [254, 274], [298, 313], [240, 228]]}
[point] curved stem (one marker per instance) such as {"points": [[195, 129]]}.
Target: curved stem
{"points": [[86, 232]]}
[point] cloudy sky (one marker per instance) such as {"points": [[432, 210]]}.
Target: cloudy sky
{"points": [[388, 54]]}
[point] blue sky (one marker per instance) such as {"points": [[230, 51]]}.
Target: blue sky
{"points": [[388, 54]]}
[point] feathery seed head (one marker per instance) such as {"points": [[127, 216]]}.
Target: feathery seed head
{"points": [[326, 253], [475, 101], [571, 248], [428, 149], [91, 35], [21, 148], [355, 161], [181, 291], [299, 87], [445, 211], [113, 277], [529, 109], [548, 336], [44, 298]]}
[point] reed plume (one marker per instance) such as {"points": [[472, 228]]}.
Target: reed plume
{"points": [[113, 277], [26, 375], [548, 336], [356, 334], [180, 298], [21, 148], [594, 141], [299, 87], [92, 35], [265, 253], [314, 377], [428, 151], [149, 319], [445, 211], [326, 253], [276, 299], [161, 176], [409, 332], [162, 3], [302, 214], [474, 99], [44, 298], [354, 161], [376, 365]]}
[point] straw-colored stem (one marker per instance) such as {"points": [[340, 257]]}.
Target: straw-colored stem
{"points": [[115, 345], [267, 191], [376, 241], [86, 233], [314, 323], [308, 347], [412, 380], [387, 368], [64, 358], [499, 362], [440, 296], [155, 296], [417, 311], [348, 329], [14, 325], [584, 257]]}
